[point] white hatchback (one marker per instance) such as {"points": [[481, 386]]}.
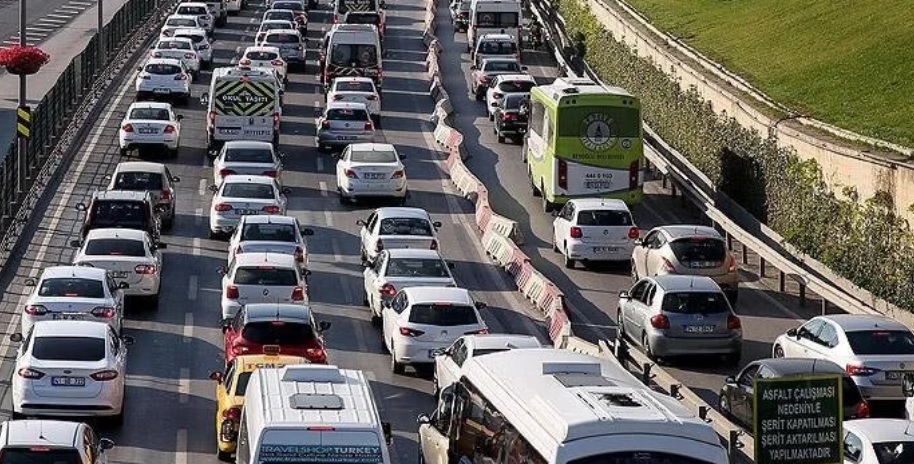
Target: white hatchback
{"points": [[505, 84], [270, 234], [358, 90], [261, 278], [266, 57], [175, 22], [239, 196], [371, 170], [74, 293], [594, 229], [150, 124], [179, 48], [129, 255], [201, 43], [397, 227], [201, 11], [163, 78], [247, 158]]}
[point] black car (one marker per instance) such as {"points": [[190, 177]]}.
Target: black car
{"points": [[121, 209], [510, 116], [735, 400]]}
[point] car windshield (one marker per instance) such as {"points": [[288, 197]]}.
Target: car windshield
{"points": [[875, 342], [406, 226], [604, 217], [138, 181], [496, 47], [501, 66], [695, 303], [894, 452], [261, 56], [283, 38], [278, 333], [269, 232], [698, 249], [163, 69], [252, 191], [266, 26], [354, 55], [347, 114], [115, 247], [442, 315], [414, 267], [294, 6], [513, 102], [363, 18], [182, 22], [373, 156], [68, 348], [154, 114], [174, 44], [354, 86], [249, 155], [193, 10], [516, 86], [40, 455], [122, 214], [74, 287], [265, 275]]}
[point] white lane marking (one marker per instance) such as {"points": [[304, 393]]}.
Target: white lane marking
{"points": [[329, 218], [39, 29], [198, 216], [347, 292], [320, 163], [361, 338], [323, 186], [55, 15], [192, 288], [181, 447], [197, 246], [51, 22], [452, 204], [184, 386], [337, 253], [201, 189], [189, 326]]}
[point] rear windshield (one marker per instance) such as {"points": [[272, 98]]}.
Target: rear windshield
{"points": [[71, 287], [354, 55], [373, 156], [276, 25], [403, 267], [695, 303], [249, 155], [115, 247], [261, 56], [347, 114], [163, 69], [174, 45], [39, 456], [493, 19], [265, 276], [283, 38], [69, 348], [294, 6], [516, 86], [182, 22], [278, 333], [497, 47], [138, 181], [698, 249], [195, 37], [513, 102], [865, 342], [269, 232], [894, 452], [364, 18], [155, 114], [283, 15], [442, 315], [345, 6], [604, 217], [193, 10], [501, 66], [123, 214], [354, 86], [252, 191], [405, 226]]}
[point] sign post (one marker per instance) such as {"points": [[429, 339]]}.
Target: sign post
{"points": [[798, 419]]}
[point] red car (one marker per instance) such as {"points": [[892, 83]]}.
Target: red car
{"points": [[275, 328]]}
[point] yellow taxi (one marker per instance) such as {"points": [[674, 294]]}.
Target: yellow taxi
{"points": [[230, 388]]}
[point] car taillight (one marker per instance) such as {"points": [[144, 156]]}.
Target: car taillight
{"points": [[410, 332], [104, 376], [36, 310], [862, 411], [369, 126], [433, 245], [734, 323], [325, 124], [146, 269], [27, 373], [189, 56], [371, 97], [667, 265], [388, 290], [212, 116], [165, 195], [854, 370], [127, 128], [223, 207], [276, 62], [732, 266], [169, 129], [271, 173], [245, 62], [483, 79], [181, 77], [226, 173], [351, 174], [660, 322], [316, 355], [240, 349], [103, 312], [271, 209], [563, 174], [299, 255], [478, 332], [231, 292], [633, 174], [634, 233], [298, 294], [576, 232], [397, 174], [232, 414]]}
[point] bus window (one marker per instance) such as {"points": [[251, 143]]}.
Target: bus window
{"points": [[536, 118]]}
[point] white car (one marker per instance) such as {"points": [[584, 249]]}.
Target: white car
{"points": [[397, 227], [358, 90], [449, 361], [150, 125], [179, 48], [129, 255], [291, 45], [278, 15], [341, 124], [232, 7], [420, 321], [504, 84], [202, 44], [594, 229], [878, 441], [266, 57], [70, 368], [270, 234], [399, 268], [242, 195], [201, 11], [247, 158], [29, 440], [371, 170], [163, 78], [74, 293], [175, 22], [262, 278], [274, 24], [875, 350]]}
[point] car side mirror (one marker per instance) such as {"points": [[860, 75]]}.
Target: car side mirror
{"points": [[75, 243], [179, 117], [123, 285], [730, 380], [217, 376], [105, 444], [307, 232], [204, 98], [323, 326], [220, 270], [127, 340], [423, 419], [81, 207], [16, 337], [623, 295], [213, 188], [388, 434], [360, 223], [638, 242], [161, 246], [175, 179], [31, 282], [480, 305], [438, 352], [792, 332], [472, 67], [286, 190], [437, 224]]}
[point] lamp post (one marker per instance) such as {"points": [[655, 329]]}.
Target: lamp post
{"points": [[21, 145], [102, 46]]}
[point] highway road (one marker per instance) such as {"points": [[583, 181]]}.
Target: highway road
{"points": [[170, 407]]}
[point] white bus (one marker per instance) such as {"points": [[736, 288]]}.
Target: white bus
{"points": [[548, 406], [493, 16]]}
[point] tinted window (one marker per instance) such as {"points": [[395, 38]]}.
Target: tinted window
{"points": [[72, 287], [252, 191], [881, 342], [639, 457], [354, 55], [363, 18], [497, 47], [443, 315], [269, 232], [193, 10], [162, 69], [283, 15], [695, 303], [261, 56], [516, 86], [283, 38], [115, 247], [513, 102], [495, 19], [405, 226], [403, 267], [69, 348], [138, 181], [249, 155], [156, 114], [373, 156], [346, 114], [41, 455], [265, 276], [894, 452], [126, 214], [604, 217], [182, 22], [354, 86], [278, 333], [242, 385], [174, 45], [294, 6], [698, 249], [501, 66]]}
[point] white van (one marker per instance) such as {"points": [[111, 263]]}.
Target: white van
{"points": [[242, 104], [351, 50], [493, 16], [311, 413]]}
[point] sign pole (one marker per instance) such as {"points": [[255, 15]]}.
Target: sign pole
{"points": [[21, 148]]}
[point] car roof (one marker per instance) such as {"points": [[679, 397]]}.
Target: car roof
{"points": [[249, 362], [686, 283], [190, 30], [496, 36], [140, 166], [417, 253], [171, 61], [42, 432], [882, 430], [259, 48], [599, 203], [347, 105], [91, 329], [402, 212], [855, 322], [181, 16], [248, 143], [689, 230], [516, 77], [497, 341], [150, 104], [420, 295], [123, 195], [176, 39], [265, 259], [786, 367], [241, 179], [126, 234], [264, 312], [86, 272], [269, 219], [372, 146]]}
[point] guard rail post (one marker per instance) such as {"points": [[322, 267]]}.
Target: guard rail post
{"points": [[646, 373]]}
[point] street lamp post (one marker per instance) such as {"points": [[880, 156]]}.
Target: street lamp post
{"points": [[21, 146], [102, 46]]}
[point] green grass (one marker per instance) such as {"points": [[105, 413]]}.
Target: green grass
{"points": [[848, 63]]}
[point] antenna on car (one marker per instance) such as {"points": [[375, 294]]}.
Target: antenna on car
{"points": [[42, 437], [907, 428]]}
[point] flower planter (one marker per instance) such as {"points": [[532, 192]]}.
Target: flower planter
{"points": [[23, 60]]}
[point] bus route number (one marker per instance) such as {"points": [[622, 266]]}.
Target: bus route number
{"points": [[598, 181]]}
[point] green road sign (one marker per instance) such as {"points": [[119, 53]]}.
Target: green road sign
{"points": [[798, 419]]}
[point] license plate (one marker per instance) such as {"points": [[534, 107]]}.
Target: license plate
{"points": [[119, 274], [257, 133], [161, 91], [245, 211], [602, 250], [68, 381], [703, 264], [699, 329], [66, 317], [148, 131], [894, 375], [375, 175], [598, 184], [230, 131], [345, 137]]}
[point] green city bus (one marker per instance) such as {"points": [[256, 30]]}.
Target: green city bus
{"points": [[583, 141]]}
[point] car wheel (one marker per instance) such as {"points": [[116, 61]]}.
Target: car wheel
{"points": [[778, 351], [491, 116], [343, 199], [501, 138], [376, 320], [569, 263], [396, 367], [214, 235], [124, 152], [646, 344], [224, 456]]}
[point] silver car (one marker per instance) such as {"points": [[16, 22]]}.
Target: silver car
{"points": [[343, 123], [673, 315], [246, 157], [155, 178], [291, 46]]}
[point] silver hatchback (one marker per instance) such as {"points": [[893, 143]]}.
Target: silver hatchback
{"points": [[675, 315], [344, 123]]}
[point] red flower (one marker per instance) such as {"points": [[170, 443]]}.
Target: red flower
{"points": [[23, 60]]}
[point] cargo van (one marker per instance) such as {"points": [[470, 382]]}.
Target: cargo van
{"points": [[493, 16], [351, 50], [311, 413], [242, 104]]}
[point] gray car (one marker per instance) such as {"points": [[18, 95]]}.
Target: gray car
{"points": [[673, 315], [344, 123], [155, 178]]}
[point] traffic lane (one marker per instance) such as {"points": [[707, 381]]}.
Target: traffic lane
{"points": [[9, 14]]}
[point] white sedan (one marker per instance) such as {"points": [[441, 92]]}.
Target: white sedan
{"points": [[449, 362], [273, 24], [129, 255], [878, 441], [266, 57], [250, 158], [163, 78], [270, 234], [504, 84], [389, 228], [371, 170], [70, 368], [239, 196], [74, 293], [400, 268], [179, 48], [357, 90], [150, 124], [175, 22]]}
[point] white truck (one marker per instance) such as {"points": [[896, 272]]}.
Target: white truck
{"points": [[493, 16], [242, 104]]}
